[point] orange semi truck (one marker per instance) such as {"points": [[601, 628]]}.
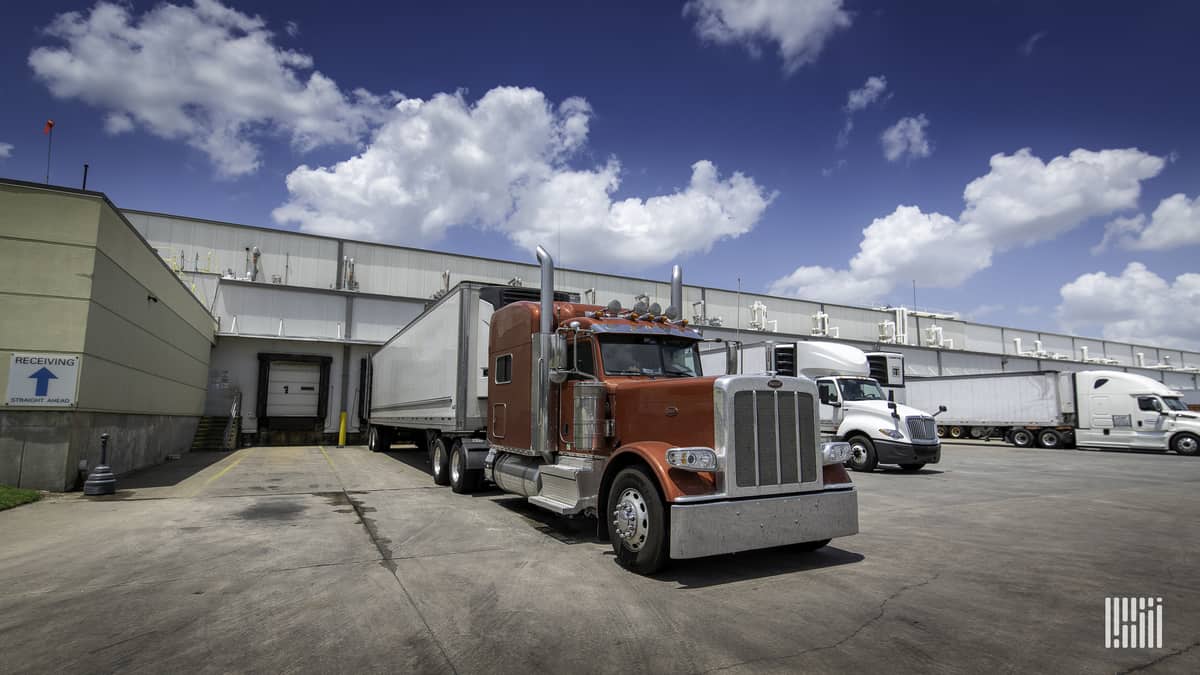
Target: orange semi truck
{"points": [[590, 410]]}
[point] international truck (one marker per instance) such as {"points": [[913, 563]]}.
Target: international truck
{"points": [[1051, 409], [856, 402], [590, 410]]}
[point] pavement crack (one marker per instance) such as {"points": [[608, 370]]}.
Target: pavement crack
{"points": [[861, 627], [1164, 657]]}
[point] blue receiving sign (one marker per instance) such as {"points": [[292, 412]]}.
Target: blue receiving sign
{"points": [[43, 380]]}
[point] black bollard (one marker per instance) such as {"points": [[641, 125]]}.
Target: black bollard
{"points": [[101, 481]]}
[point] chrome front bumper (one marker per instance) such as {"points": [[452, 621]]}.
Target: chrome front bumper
{"points": [[713, 528]]}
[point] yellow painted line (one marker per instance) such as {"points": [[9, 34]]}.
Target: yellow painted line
{"points": [[218, 474], [327, 458]]}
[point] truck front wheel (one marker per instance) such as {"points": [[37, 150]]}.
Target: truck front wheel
{"points": [[862, 454], [439, 458], [1186, 444], [638, 529]]}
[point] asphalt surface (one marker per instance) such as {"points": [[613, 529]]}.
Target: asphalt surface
{"points": [[322, 559]]}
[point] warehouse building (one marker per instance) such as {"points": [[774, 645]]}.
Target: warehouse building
{"points": [[293, 317]]}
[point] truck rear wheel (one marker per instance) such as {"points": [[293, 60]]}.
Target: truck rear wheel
{"points": [[862, 454], [462, 479], [439, 459], [1022, 438], [1049, 439], [638, 532], [1186, 444]]}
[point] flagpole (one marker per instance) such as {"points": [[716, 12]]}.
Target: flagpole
{"points": [[49, 145]]}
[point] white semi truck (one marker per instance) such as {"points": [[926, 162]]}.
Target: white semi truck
{"points": [[1091, 408], [856, 403]]}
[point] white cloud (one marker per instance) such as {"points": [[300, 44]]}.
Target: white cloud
{"points": [[292, 28], [1030, 43], [6, 150], [859, 99], [906, 138], [1174, 223], [1137, 305], [872, 89], [1019, 202], [501, 162], [206, 74], [798, 28]]}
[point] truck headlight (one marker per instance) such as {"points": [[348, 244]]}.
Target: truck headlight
{"points": [[891, 433], [692, 459], [837, 452]]}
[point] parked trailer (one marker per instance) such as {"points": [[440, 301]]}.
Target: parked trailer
{"points": [[1091, 408], [601, 410]]}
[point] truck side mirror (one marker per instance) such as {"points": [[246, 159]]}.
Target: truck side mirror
{"points": [[558, 358], [892, 407]]}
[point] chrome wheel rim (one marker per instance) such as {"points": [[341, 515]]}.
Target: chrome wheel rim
{"points": [[1186, 444], [437, 460], [455, 468], [1022, 438], [374, 441], [1049, 439], [631, 519], [858, 453]]}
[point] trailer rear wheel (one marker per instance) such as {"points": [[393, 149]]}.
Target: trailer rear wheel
{"points": [[638, 530], [1022, 438], [956, 432], [941, 431], [1049, 439], [379, 439], [1186, 444], [862, 454], [462, 479], [440, 460]]}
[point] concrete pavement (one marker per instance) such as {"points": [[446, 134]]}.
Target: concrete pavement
{"points": [[322, 559]]}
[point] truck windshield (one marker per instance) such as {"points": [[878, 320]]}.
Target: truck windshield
{"points": [[861, 390], [1175, 403], [649, 355]]}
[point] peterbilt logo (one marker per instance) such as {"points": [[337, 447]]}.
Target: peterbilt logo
{"points": [[774, 384]]}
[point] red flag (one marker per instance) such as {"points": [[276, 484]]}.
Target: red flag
{"points": [[49, 127]]}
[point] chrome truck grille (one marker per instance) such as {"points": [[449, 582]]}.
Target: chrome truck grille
{"points": [[922, 429], [769, 434]]}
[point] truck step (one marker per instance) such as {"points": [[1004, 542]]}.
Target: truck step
{"points": [[555, 506]]}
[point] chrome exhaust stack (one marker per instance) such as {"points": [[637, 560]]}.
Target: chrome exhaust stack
{"points": [[675, 311], [541, 437]]}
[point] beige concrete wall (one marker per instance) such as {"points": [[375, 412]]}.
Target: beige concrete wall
{"points": [[148, 337], [76, 278], [46, 257]]}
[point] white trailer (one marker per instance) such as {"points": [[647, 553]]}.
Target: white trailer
{"points": [[1092, 408], [430, 380]]}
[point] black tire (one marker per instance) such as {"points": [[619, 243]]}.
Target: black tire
{"points": [[862, 454], [941, 431], [638, 532], [810, 546], [912, 467], [1022, 438], [1186, 444], [462, 479], [1049, 439], [955, 432], [379, 439], [439, 461]]}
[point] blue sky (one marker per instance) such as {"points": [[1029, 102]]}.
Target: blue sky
{"points": [[659, 93]]}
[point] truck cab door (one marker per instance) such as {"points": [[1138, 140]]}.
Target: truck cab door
{"points": [[1149, 423], [1111, 422], [831, 410]]}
